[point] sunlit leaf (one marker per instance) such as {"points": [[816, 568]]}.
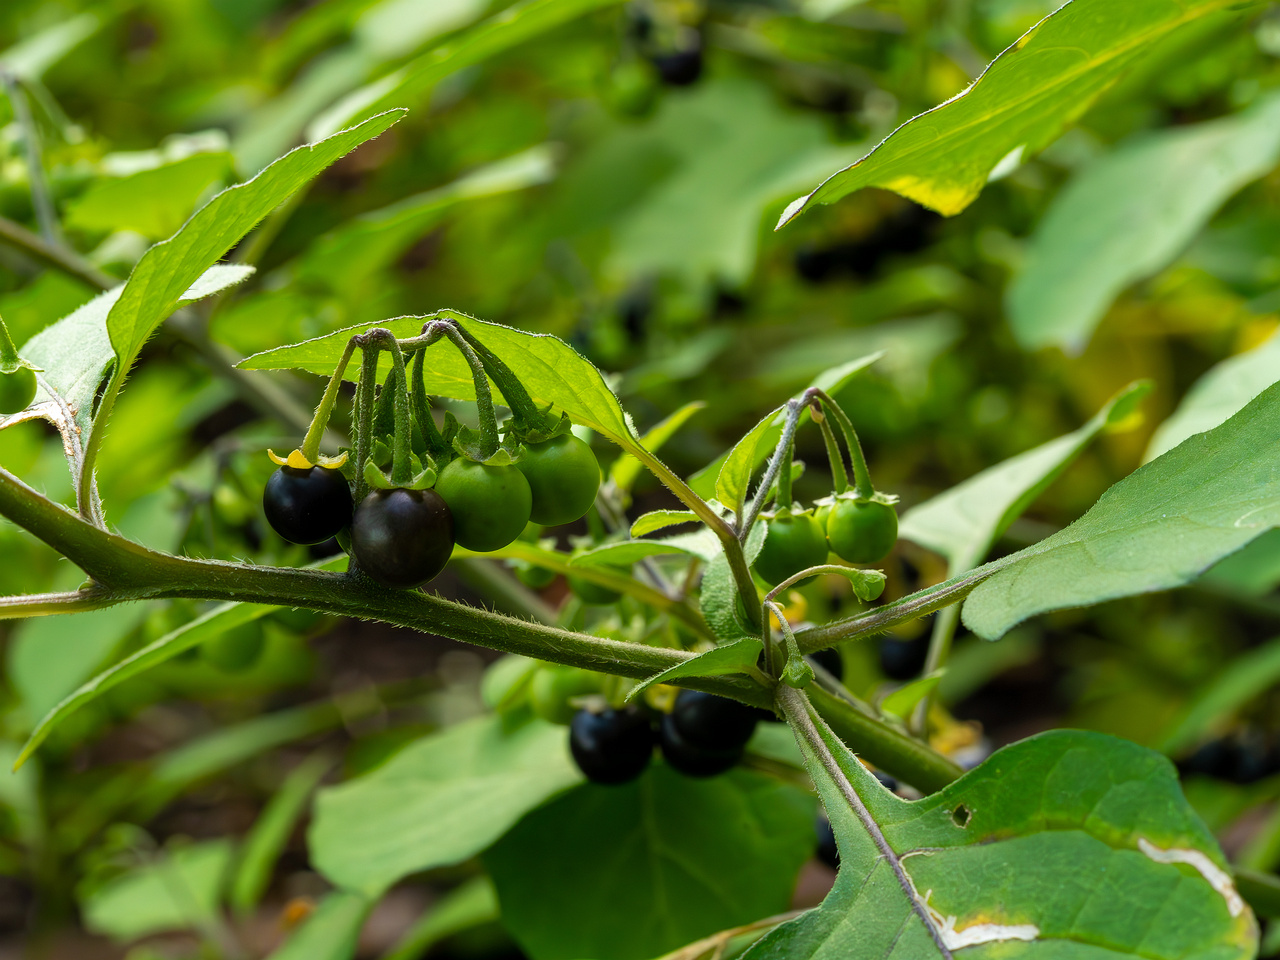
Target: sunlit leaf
{"points": [[1128, 215], [659, 520], [1158, 528], [1020, 104], [29, 59], [734, 657], [1067, 844]]}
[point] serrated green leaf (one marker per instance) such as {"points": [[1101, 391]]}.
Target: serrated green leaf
{"points": [[438, 802], [1069, 845], [650, 865], [1158, 528], [1218, 394], [626, 469], [331, 932], [733, 657], [178, 890], [166, 270], [659, 520], [740, 464], [1021, 103], [1127, 215], [551, 370], [412, 82], [964, 522]]}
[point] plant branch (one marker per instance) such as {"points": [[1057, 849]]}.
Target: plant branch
{"points": [[800, 714], [46, 214], [794, 410], [919, 604], [52, 255]]}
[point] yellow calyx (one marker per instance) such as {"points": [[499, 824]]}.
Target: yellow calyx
{"points": [[300, 462]]}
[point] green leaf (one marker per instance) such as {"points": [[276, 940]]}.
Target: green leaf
{"points": [[156, 285], [1021, 103], [76, 355], [462, 908], [660, 520], [1219, 394], [763, 437], [414, 81], [1069, 845], [626, 469], [271, 831], [178, 890], [963, 522], [1244, 678], [626, 553], [650, 865], [1158, 528], [719, 591], [438, 802], [736, 656], [331, 932], [212, 624], [902, 701], [350, 257], [735, 474], [1252, 571], [154, 201], [551, 370], [1127, 215]]}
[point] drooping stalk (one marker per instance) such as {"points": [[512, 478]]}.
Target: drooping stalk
{"points": [[311, 442], [431, 332], [794, 409], [436, 446], [364, 411], [861, 475], [839, 478]]}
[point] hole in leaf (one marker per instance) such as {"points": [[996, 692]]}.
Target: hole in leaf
{"points": [[960, 815]]}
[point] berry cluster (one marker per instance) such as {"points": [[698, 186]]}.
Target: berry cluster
{"points": [[703, 735]]}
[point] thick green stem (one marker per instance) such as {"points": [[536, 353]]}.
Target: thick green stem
{"points": [[861, 475], [311, 443]]}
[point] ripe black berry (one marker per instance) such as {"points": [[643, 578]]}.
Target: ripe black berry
{"points": [[611, 747], [307, 505], [692, 760], [708, 722], [402, 538]]}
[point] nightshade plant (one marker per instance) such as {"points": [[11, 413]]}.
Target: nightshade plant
{"points": [[1068, 844]]}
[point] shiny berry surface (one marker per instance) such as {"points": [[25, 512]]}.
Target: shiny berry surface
{"points": [[402, 538], [307, 505], [690, 759], [611, 747], [710, 722]]}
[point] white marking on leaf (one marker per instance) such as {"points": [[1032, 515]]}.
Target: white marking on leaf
{"points": [[1218, 878], [1010, 162], [976, 934]]}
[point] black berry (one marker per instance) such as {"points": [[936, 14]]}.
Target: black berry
{"points": [[713, 723], [307, 505], [611, 747], [402, 538], [692, 760]]}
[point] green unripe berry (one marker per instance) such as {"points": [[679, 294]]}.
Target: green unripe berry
{"points": [[17, 390], [794, 542], [862, 531]]}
